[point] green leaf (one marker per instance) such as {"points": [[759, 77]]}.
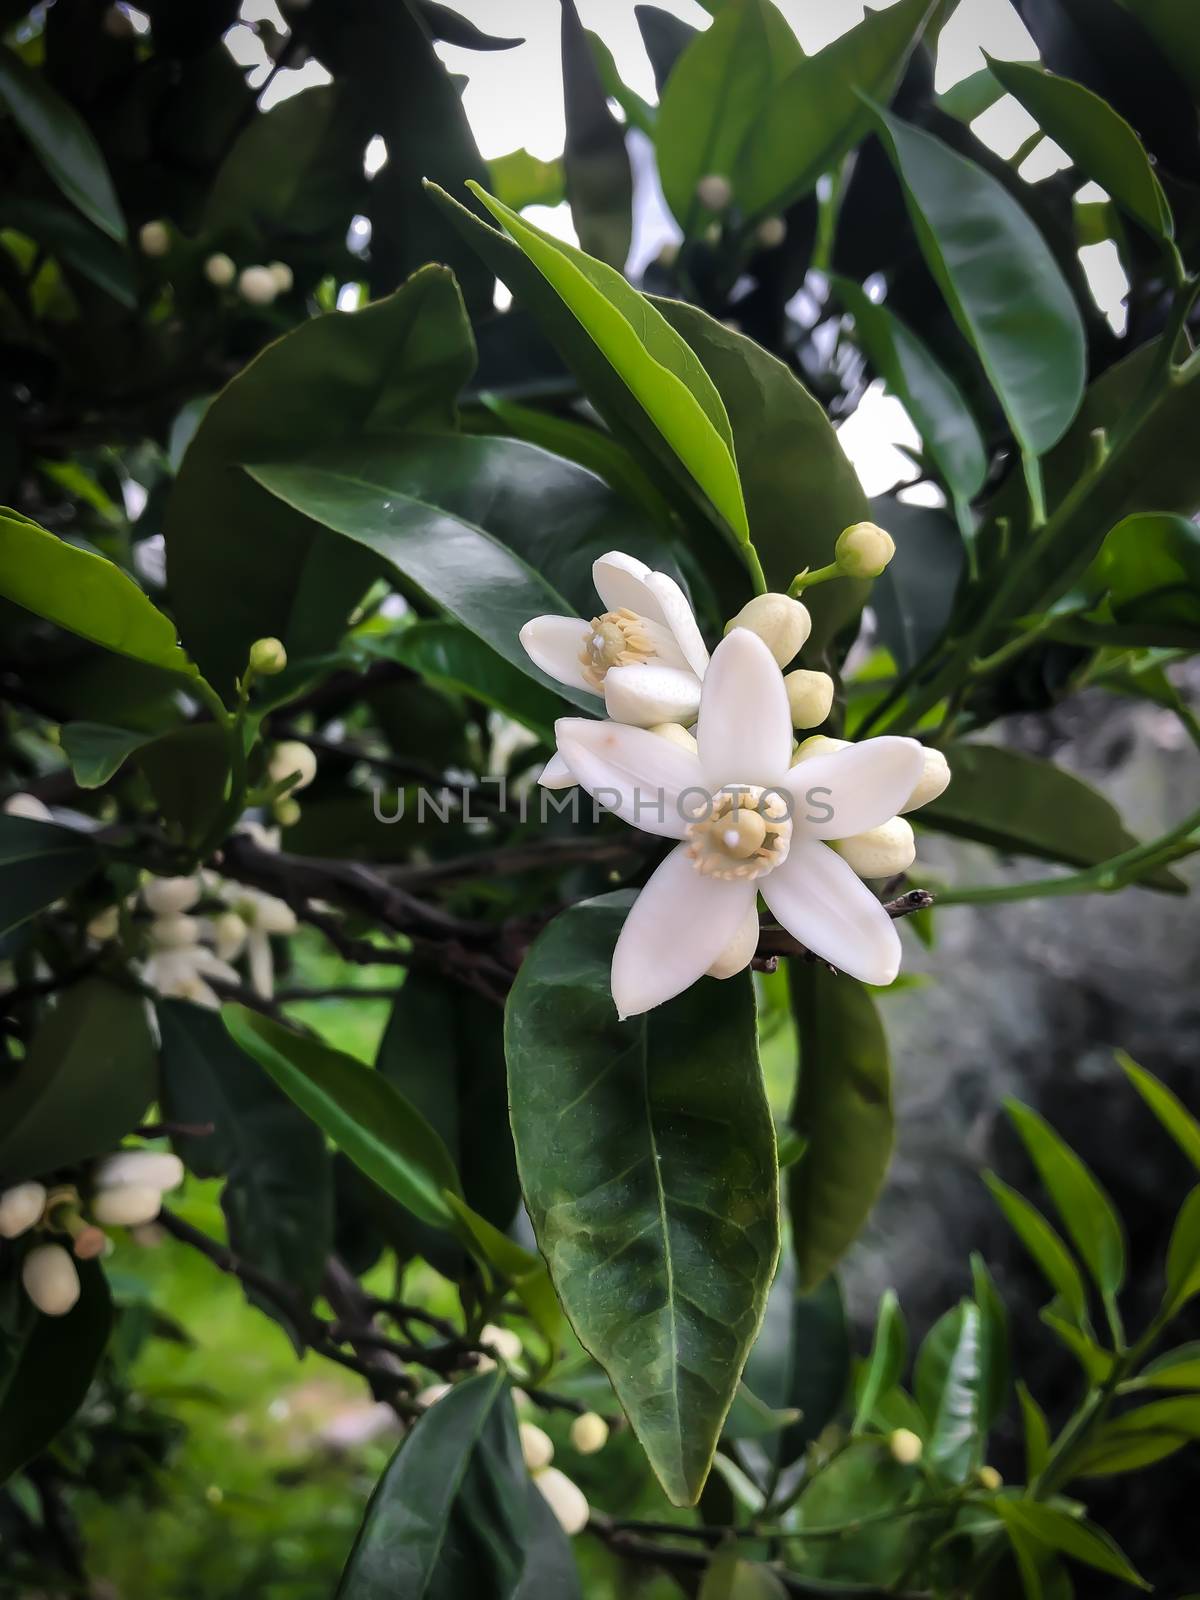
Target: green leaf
{"points": [[47, 1371], [72, 239], [1000, 281], [85, 594], [1140, 1437], [39, 863], [1178, 1369], [1072, 1536], [1019, 803], [449, 1516], [1172, 26], [599, 179], [993, 1345], [1044, 1245], [788, 455], [928, 393], [1037, 1433], [520, 179], [526, 1272], [63, 142], [87, 1079], [817, 114], [715, 94], [1085, 1209], [862, 1480], [242, 564], [843, 1108], [278, 1193], [647, 1161], [550, 1568], [800, 1362], [1148, 571], [914, 594], [885, 1366], [729, 1577], [365, 1116], [1166, 1106], [1097, 1363], [971, 96], [96, 752], [188, 773], [1098, 139], [949, 1384], [1183, 1256], [451, 658]]}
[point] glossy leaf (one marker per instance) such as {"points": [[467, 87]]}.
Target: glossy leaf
{"points": [[1047, 1249], [365, 1116], [1098, 139], [1086, 1211], [885, 1366], [1166, 1106], [1183, 1255], [599, 180], [63, 141], [1070, 1535], [85, 1082], [647, 1161], [950, 1387], [913, 596], [450, 1515], [1000, 280], [39, 862], [395, 365], [1140, 1437], [1148, 575], [525, 1271], [928, 393], [1020, 803], [843, 1108], [788, 455], [550, 1567], [1037, 1433], [994, 1362]]}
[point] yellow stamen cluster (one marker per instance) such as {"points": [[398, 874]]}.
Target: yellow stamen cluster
{"points": [[745, 835], [617, 639]]}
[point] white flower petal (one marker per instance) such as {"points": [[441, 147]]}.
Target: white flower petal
{"points": [[650, 693], [633, 772], [815, 895], [745, 726], [262, 964], [554, 644], [556, 774], [852, 790], [680, 619], [677, 927], [739, 952], [621, 584]]}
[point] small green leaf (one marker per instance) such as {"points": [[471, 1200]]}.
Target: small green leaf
{"points": [[1166, 1106], [365, 1116], [1178, 1369], [39, 862], [520, 179], [96, 752], [1044, 1245], [1070, 1535], [948, 1376], [526, 1272], [1037, 1433], [1140, 1437], [1097, 1364], [1147, 574], [885, 1367], [1183, 1256]]}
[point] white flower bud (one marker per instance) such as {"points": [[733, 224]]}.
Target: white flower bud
{"points": [[104, 925], [165, 896], [810, 697], [27, 806], [292, 757], [50, 1279], [880, 852], [589, 1433], [502, 1341], [229, 935], [862, 551], [771, 231], [739, 952], [154, 238], [126, 1205], [675, 733], [565, 1499], [267, 657], [176, 932], [283, 275], [935, 776], [783, 624], [818, 744], [905, 1446], [20, 1208], [257, 285], [149, 1169], [220, 270], [271, 915], [536, 1446], [714, 192]]}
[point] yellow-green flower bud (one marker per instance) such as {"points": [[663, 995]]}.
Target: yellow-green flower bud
{"points": [[880, 852], [220, 270], [783, 624], [286, 811], [989, 1479], [536, 1446], [905, 1446], [810, 697], [589, 1433], [565, 1499], [935, 776], [675, 733], [154, 238], [257, 285], [291, 758], [283, 275], [862, 551]]}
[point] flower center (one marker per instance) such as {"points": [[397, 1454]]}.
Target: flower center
{"points": [[745, 834], [617, 639]]}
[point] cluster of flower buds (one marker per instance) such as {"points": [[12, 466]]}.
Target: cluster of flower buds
{"points": [[564, 1497], [257, 285], [890, 848], [291, 767]]}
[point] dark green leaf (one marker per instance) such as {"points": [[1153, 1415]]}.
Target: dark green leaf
{"points": [[913, 596], [550, 1569], [801, 1360], [67, 235], [188, 772], [993, 1344], [1166, 1106], [863, 1480], [1074, 1537], [1097, 1364], [950, 1388], [885, 1367], [1140, 1437], [39, 863], [1047, 1249], [1000, 280], [1148, 572], [843, 1108], [599, 177], [88, 1077], [97, 752], [526, 1272], [451, 658], [647, 1161]]}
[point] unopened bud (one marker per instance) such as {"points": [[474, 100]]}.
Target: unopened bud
{"points": [[880, 852], [257, 285], [126, 1205], [151, 1169], [935, 777], [675, 733], [165, 896], [27, 806], [536, 1446], [989, 1479], [267, 657], [502, 1341], [286, 811], [292, 759], [176, 932], [818, 744], [50, 1279], [283, 275], [783, 624], [154, 238], [739, 952], [905, 1446], [810, 697], [21, 1208], [771, 231], [565, 1499], [589, 1433], [104, 925], [862, 551], [229, 935], [714, 192], [220, 270]]}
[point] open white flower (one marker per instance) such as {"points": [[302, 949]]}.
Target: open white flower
{"points": [[644, 653], [263, 916], [747, 824]]}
